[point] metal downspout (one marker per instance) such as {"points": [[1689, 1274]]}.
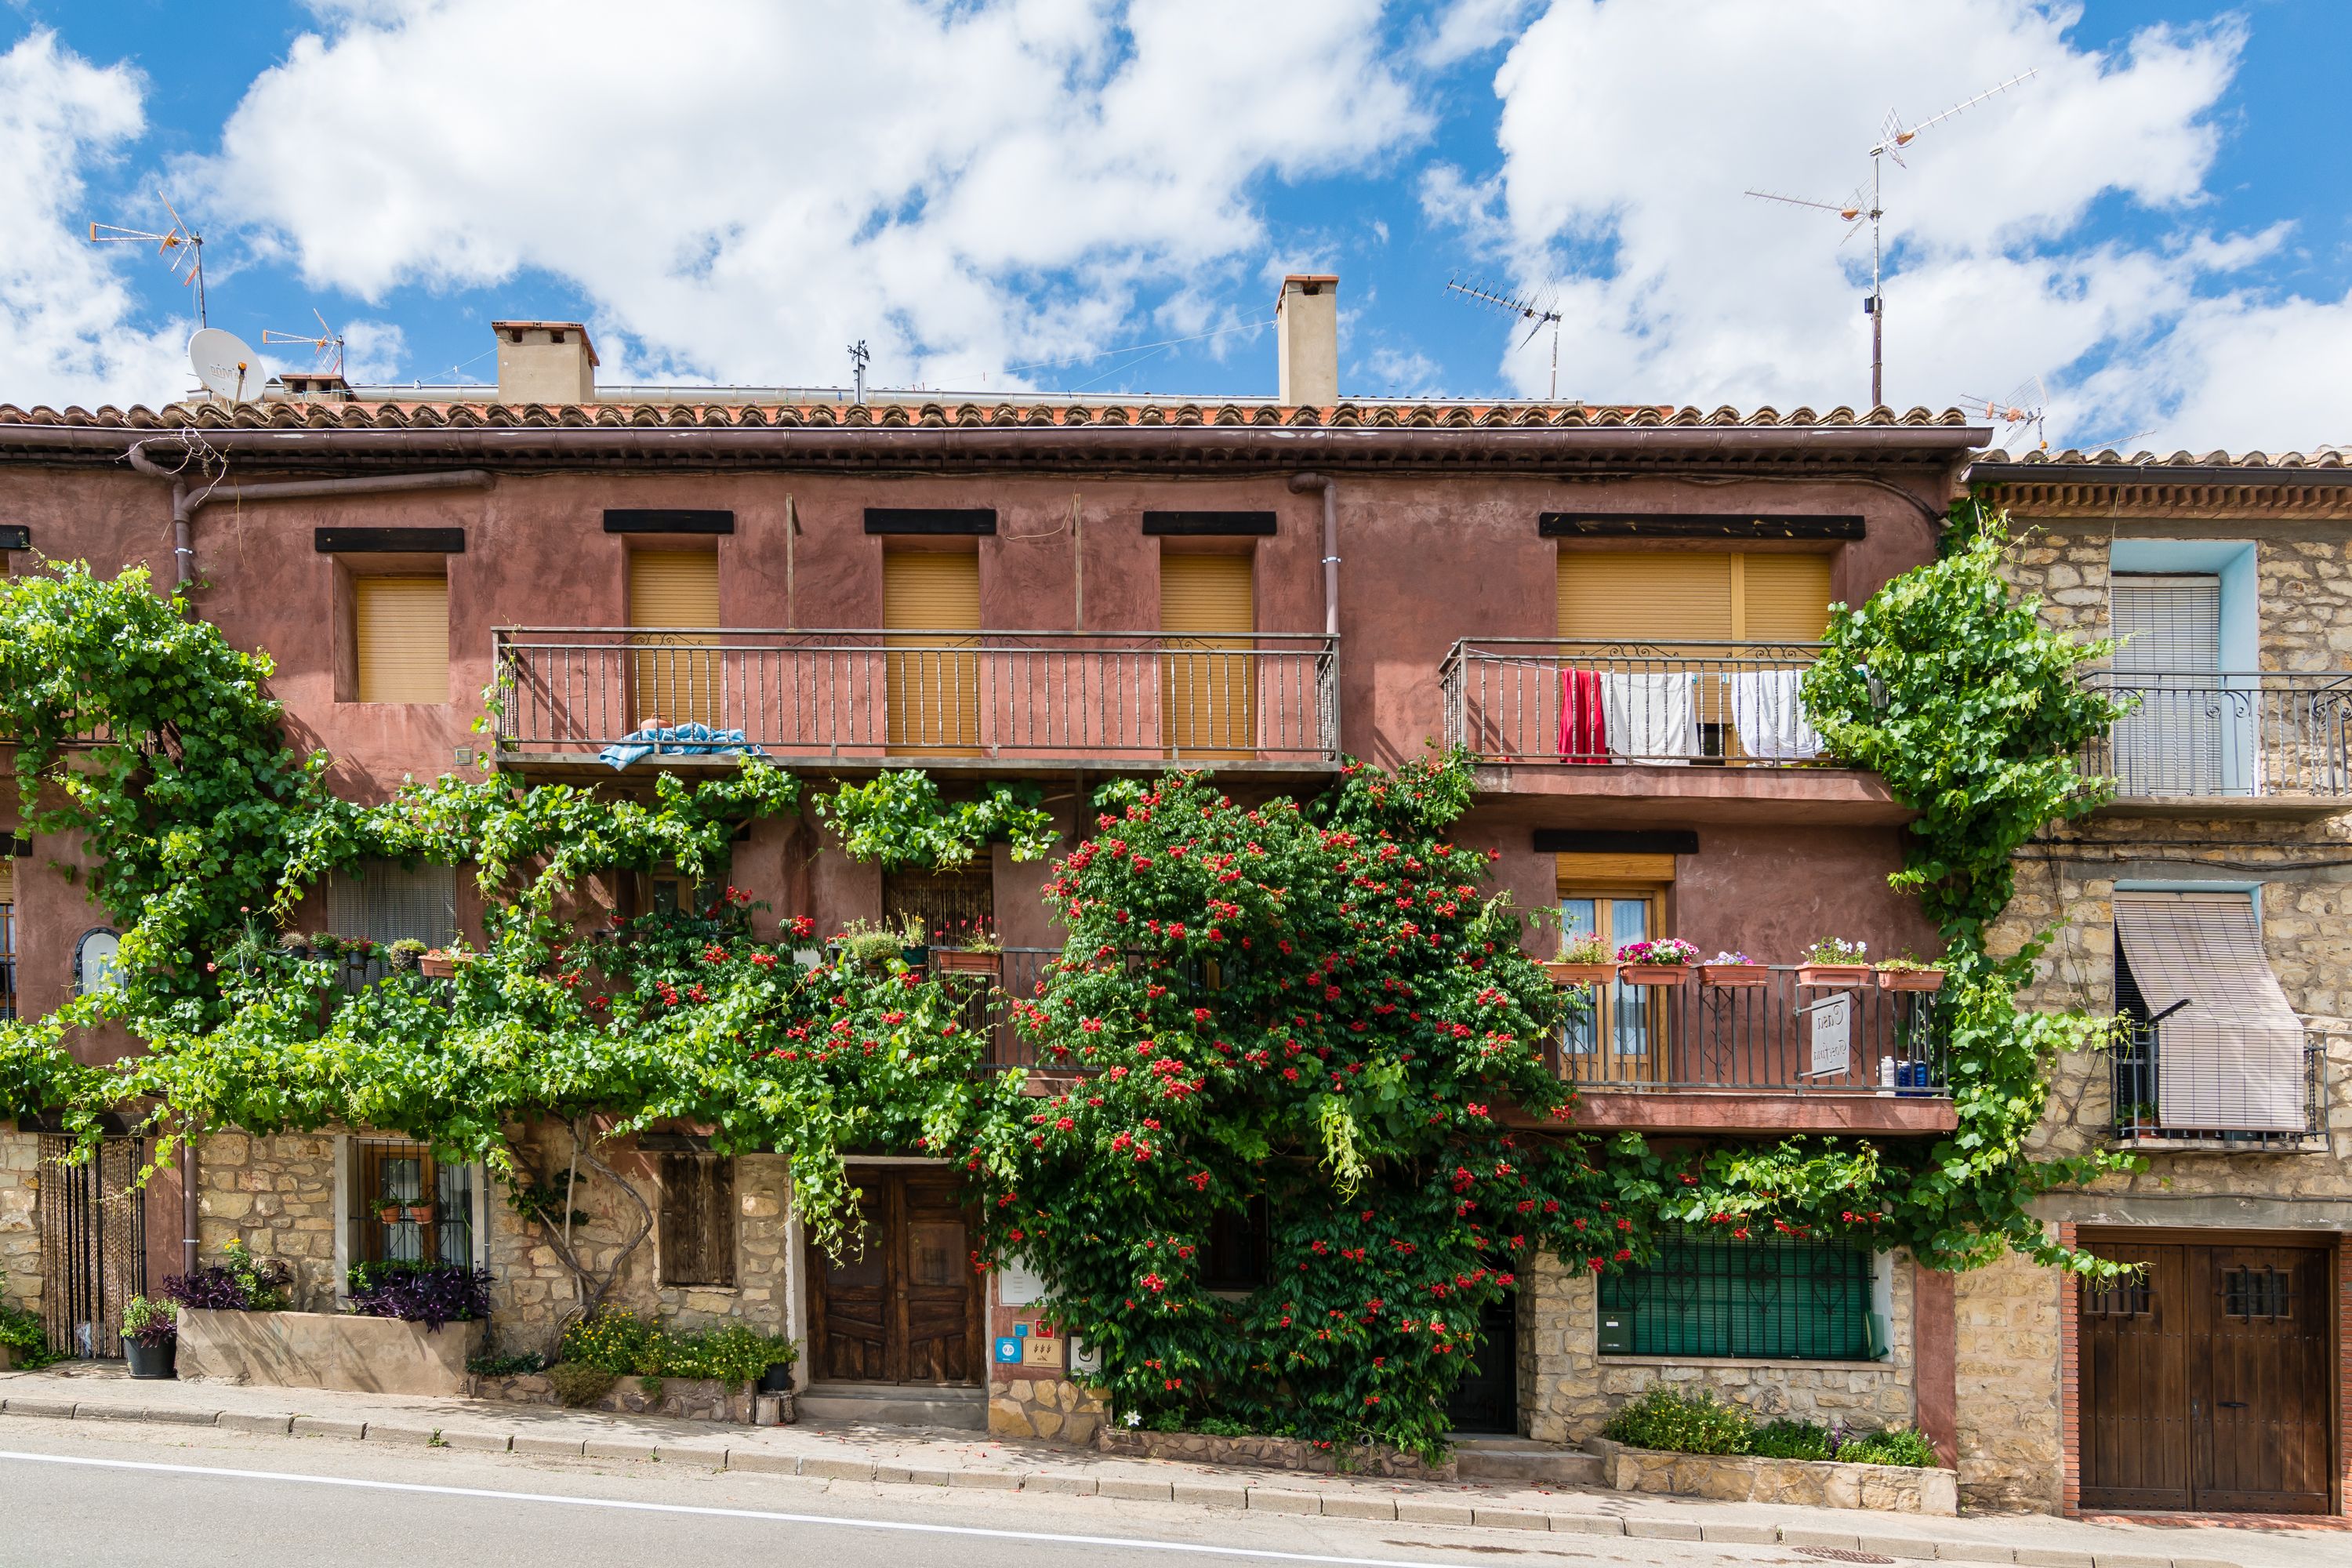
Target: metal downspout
{"points": [[1300, 484]]}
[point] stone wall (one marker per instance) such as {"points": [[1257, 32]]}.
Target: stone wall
{"points": [[20, 1243], [1568, 1389], [2012, 1454], [276, 1194]]}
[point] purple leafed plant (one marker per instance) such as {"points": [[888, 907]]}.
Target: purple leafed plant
{"points": [[429, 1293]]}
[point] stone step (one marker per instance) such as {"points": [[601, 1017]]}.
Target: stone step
{"points": [[893, 1404], [1523, 1461]]}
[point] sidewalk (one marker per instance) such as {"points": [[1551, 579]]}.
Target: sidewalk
{"points": [[849, 1455]]}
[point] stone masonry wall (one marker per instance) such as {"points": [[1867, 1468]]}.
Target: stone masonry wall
{"points": [[20, 1243], [2007, 1385], [1569, 1389], [279, 1195]]}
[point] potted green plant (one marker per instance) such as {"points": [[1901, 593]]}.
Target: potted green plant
{"points": [[1909, 972], [387, 1211], [1834, 964], [295, 945], [151, 1336], [981, 953], [326, 945], [404, 954], [1658, 960], [1731, 969], [1583, 960]]}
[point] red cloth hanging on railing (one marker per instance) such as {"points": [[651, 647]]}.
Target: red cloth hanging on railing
{"points": [[1583, 731]]}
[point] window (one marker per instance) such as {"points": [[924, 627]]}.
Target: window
{"points": [[401, 638], [678, 677], [1234, 1255], [670, 891], [2264, 1293], [408, 1207], [2126, 1297], [1767, 1300], [1208, 686], [697, 1237], [385, 903], [2218, 1049], [1676, 595], [932, 682], [1614, 1033]]}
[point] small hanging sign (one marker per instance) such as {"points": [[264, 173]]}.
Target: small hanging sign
{"points": [[1833, 1020]]}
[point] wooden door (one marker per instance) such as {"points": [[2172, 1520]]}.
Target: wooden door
{"points": [[907, 1308], [2205, 1381]]}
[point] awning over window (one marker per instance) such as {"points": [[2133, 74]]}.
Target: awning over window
{"points": [[2231, 1060]]}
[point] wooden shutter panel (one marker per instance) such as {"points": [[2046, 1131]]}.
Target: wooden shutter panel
{"points": [[1786, 598], [403, 638], [679, 682], [1208, 698], [697, 1220], [933, 688], [1645, 596]]}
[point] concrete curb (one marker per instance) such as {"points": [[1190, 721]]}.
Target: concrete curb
{"points": [[1203, 1494]]}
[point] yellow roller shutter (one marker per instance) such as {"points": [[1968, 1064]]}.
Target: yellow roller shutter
{"points": [[403, 641], [1787, 597], [1645, 595], [933, 685], [1209, 696], [678, 677]]}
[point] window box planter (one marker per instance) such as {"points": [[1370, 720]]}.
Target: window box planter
{"points": [[153, 1361], [1580, 973], [1744, 1477], [1653, 974], [1734, 974], [948, 961], [1910, 980], [328, 1350], [1834, 976], [916, 957], [437, 965]]}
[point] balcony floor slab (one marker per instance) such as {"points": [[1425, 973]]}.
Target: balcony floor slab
{"points": [[573, 767], [1619, 794], [1759, 1110], [2239, 807]]}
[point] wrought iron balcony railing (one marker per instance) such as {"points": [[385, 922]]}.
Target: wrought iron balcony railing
{"points": [[1264, 697], [2161, 1104], [1546, 700], [2252, 736]]}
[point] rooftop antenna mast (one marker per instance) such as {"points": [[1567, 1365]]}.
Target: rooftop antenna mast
{"points": [[1538, 316], [326, 344], [2023, 408], [1893, 136], [184, 245], [859, 357]]}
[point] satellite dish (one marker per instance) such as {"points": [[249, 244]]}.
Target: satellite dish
{"points": [[224, 363]]}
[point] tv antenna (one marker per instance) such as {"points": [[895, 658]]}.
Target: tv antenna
{"points": [[1893, 136], [860, 356], [1526, 310], [2023, 408], [326, 343], [182, 244]]}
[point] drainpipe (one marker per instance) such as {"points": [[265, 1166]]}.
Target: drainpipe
{"points": [[188, 1201], [186, 505], [1300, 484]]}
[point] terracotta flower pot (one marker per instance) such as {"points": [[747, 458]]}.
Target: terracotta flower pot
{"points": [[1653, 974], [436, 966], [1566, 974], [1834, 976], [948, 961], [419, 1214], [1734, 974], [1910, 980]]}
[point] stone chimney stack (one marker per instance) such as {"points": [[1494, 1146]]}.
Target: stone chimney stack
{"points": [[1306, 339], [545, 362]]}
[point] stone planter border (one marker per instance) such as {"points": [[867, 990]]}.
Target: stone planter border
{"points": [[328, 1350], [1745, 1477], [679, 1398], [1271, 1452]]}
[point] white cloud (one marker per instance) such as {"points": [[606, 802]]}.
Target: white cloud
{"points": [[1628, 132], [746, 187], [372, 351], [66, 331]]}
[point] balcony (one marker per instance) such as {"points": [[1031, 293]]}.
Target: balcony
{"points": [[2265, 744], [2220, 1102], [1698, 732], [1263, 703]]}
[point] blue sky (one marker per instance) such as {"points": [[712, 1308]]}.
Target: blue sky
{"points": [[2157, 224]]}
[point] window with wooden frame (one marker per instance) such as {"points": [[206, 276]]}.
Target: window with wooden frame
{"points": [[408, 1205], [678, 677], [400, 638], [931, 680], [695, 1238], [1614, 1034]]}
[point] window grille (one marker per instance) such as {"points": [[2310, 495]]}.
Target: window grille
{"points": [[2258, 1293], [407, 1207], [2126, 1297], [1777, 1300]]}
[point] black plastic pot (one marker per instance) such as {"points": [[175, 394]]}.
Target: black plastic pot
{"points": [[778, 1378], [153, 1360]]}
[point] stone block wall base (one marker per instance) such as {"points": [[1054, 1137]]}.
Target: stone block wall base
{"points": [[1050, 1407], [326, 1350], [1272, 1453], [1810, 1483], [678, 1398]]}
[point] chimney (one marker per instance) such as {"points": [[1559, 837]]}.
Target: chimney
{"points": [[545, 362], [1306, 339]]}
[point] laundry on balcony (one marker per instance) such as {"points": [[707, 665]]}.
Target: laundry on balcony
{"points": [[1767, 711], [676, 740], [1650, 718], [1583, 726]]}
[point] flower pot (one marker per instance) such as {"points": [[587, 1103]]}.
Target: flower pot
{"points": [[1910, 980], [1653, 974], [1734, 974], [436, 966], [1834, 976], [916, 957], [151, 1361], [947, 960], [1565, 973], [418, 1213], [778, 1378]]}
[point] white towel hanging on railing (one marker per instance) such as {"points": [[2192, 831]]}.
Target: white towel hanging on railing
{"points": [[1650, 718], [1768, 712]]}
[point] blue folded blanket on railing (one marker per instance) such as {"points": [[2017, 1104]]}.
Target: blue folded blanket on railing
{"points": [[676, 740]]}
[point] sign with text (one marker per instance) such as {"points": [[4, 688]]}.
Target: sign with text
{"points": [[1017, 1284], [1833, 1018]]}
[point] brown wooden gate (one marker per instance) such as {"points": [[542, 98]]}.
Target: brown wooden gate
{"points": [[907, 1308], [2205, 1380]]}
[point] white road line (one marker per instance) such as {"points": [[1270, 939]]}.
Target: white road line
{"points": [[1130, 1543]]}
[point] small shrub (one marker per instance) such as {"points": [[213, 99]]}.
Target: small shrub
{"points": [[1786, 1439], [429, 1293], [21, 1331], [578, 1384], [1221, 1426], [522, 1366], [624, 1344], [1168, 1421], [1696, 1424], [153, 1324], [1589, 948], [239, 1282], [1896, 1445], [651, 1387]]}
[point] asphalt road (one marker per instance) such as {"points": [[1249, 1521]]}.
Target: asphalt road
{"points": [[75, 1492]]}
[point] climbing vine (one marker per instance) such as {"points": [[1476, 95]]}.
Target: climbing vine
{"points": [[897, 820]]}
